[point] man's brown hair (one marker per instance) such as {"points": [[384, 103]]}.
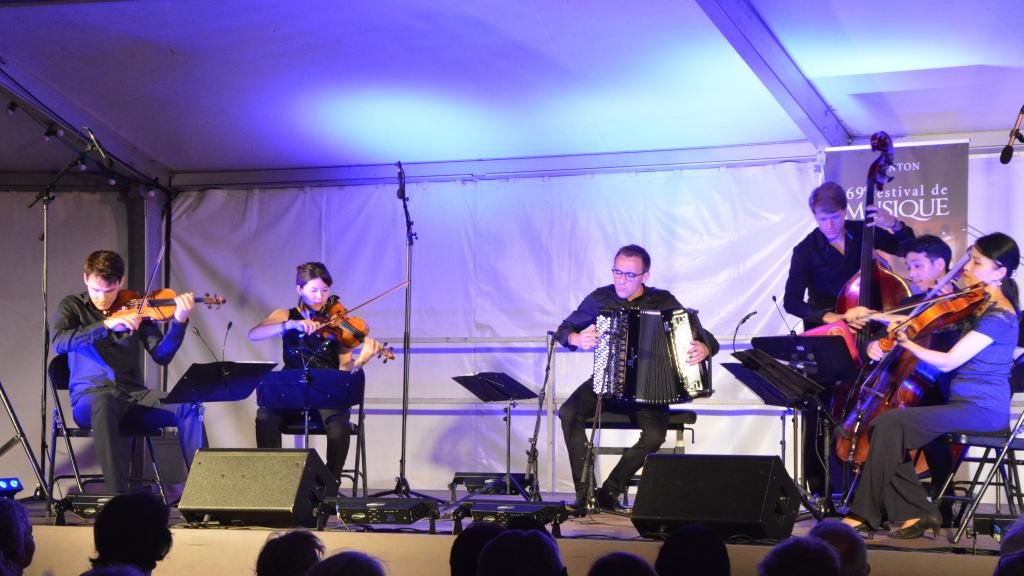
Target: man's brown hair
{"points": [[829, 197], [106, 264]]}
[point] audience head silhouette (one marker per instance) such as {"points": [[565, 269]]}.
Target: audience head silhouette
{"points": [[115, 570], [797, 556], [132, 529], [467, 546], [349, 563], [621, 564], [517, 552], [17, 547], [289, 554], [849, 545], [693, 549]]}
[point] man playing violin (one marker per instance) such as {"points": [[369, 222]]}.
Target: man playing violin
{"points": [[303, 349], [927, 258], [630, 269], [820, 266], [106, 385]]}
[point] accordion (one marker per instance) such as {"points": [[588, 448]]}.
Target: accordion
{"points": [[641, 356]]}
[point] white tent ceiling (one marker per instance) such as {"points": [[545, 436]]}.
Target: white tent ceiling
{"points": [[173, 86]]}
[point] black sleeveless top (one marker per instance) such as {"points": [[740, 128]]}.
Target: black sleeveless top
{"points": [[308, 351]]}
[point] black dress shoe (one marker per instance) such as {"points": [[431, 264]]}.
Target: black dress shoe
{"points": [[607, 500], [866, 531], [918, 529]]}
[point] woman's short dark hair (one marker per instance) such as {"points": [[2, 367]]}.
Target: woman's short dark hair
{"points": [[311, 271]]}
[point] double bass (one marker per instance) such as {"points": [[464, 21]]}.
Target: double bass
{"points": [[875, 285]]}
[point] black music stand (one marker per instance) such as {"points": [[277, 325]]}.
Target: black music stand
{"points": [[309, 389], [779, 385], [218, 382], [824, 359], [499, 387]]}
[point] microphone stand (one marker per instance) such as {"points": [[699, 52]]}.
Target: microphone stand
{"points": [[532, 457], [45, 197], [401, 488]]}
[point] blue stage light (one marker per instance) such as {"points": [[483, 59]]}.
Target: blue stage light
{"points": [[9, 487]]}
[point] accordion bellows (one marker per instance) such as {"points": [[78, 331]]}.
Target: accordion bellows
{"points": [[641, 356]]}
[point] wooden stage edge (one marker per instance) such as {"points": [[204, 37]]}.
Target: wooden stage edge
{"points": [[65, 550]]}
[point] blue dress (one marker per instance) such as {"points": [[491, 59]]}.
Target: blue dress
{"points": [[979, 401]]}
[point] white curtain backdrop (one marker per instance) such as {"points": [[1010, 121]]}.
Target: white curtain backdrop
{"points": [[495, 259]]}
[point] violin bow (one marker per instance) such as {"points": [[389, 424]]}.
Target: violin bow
{"points": [[379, 296], [152, 277]]}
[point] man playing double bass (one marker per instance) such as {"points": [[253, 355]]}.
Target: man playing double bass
{"points": [[821, 264]]}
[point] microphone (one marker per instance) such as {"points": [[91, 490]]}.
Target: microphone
{"points": [[1007, 152], [737, 330], [224, 345], [401, 181], [783, 316], [205, 343], [105, 160]]}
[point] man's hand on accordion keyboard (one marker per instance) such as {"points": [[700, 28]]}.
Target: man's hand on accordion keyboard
{"points": [[585, 340], [697, 353]]}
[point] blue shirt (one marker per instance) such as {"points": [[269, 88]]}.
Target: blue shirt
{"points": [[100, 358], [984, 380]]}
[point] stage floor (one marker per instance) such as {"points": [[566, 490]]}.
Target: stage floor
{"points": [[412, 550]]}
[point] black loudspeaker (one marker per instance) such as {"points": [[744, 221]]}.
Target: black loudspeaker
{"points": [[750, 496], [253, 487]]}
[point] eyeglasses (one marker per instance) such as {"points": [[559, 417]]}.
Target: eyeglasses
{"points": [[627, 275]]}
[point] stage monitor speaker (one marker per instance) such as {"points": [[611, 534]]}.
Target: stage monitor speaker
{"points": [[750, 496], [253, 487]]}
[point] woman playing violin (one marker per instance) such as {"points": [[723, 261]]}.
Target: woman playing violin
{"points": [[979, 398], [304, 349]]}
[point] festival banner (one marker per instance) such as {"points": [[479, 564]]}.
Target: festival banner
{"points": [[928, 191]]}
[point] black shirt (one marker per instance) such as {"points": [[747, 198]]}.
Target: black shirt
{"points": [[605, 297], [818, 269], [99, 357], [308, 351]]}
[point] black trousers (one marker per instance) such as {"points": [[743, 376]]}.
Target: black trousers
{"points": [[888, 481], [336, 426], [114, 415], [652, 421]]}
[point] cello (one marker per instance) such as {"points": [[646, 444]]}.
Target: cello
{"points": [[898, 381]]}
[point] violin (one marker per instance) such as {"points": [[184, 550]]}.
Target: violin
{"points": [[947, 310], [336, 323], [156, 306]]}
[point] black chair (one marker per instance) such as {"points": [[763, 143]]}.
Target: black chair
{"points": [[357, 474], [59, 376], [1000, 457], [679, 421]]}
